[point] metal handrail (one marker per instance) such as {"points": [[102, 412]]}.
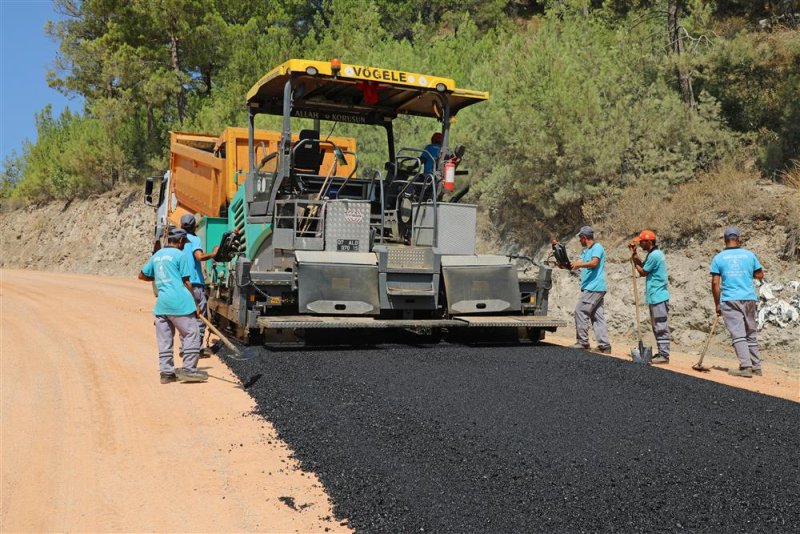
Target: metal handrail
{"points": [[301, 142], [369, 197], [416, 151], [434, 240], [347, 178], [306, 218]]}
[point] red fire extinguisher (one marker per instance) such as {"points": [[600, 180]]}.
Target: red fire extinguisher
{"points": [[449, 175]]}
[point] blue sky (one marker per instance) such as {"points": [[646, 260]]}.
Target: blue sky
{"points": [[25, 55]]}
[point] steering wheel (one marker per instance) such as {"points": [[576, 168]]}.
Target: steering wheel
{"points": [[409, 165]]}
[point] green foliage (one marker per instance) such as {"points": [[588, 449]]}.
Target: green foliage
{"points": [[11, 174], [756, 78], [73, 155], [581, 112], [585, 101]]}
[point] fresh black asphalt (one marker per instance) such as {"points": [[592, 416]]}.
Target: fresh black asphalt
{"points": [[452, 438]]}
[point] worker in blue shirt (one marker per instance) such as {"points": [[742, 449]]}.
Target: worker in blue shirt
{"points": [[193, 248], [732, 274], [654, 268], [431, 152], [175, 309], [589, 309]]}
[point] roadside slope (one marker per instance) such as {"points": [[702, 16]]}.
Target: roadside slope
{"points": [[102, 234], [92, 442], [111, 233]]}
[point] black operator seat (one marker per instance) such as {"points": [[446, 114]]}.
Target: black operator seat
{"points": [[398, 173], [308, 156]]}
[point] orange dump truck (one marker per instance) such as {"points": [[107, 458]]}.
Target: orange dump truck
{"points": [[206, 171]]}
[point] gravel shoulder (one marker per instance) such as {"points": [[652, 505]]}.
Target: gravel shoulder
{"points": [[92, 442], [781, 378]]}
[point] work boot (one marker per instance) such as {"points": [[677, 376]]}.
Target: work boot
{"points": [[191, 375], [604, 350], [579, 346], [660, 359], [756, 372], [744, 372], [166, 378]]}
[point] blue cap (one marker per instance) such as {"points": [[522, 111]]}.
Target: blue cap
{"points": [[176, 233], [586, 231], [730, 232], [188, 221]]}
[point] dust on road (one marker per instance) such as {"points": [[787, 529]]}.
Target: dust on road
{"points": [[91, 441]]}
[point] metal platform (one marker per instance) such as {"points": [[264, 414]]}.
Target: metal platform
{"points": [[462, 321]]}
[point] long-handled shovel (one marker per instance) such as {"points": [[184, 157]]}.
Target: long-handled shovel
{"points": [[642, 354], [235, 354], [699, 365]]}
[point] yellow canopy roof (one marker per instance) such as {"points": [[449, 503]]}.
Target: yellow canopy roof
{"points": [[321, 93]]}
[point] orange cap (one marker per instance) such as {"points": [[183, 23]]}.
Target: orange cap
{"points": [[646, 235]]}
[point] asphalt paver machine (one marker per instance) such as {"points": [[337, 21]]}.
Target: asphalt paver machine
{"points": [[310, 242]]}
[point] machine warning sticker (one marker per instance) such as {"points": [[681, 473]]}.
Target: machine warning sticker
{"points": [[347, 245], [355, 216]]}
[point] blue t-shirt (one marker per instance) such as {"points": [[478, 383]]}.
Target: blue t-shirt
{"points": [[736, 267], [169, 267], [655, 265], [193, 243], [594, 279], [429, 156]]}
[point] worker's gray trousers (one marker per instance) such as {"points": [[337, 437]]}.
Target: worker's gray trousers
{"points": [[740, 320], [590, 311], [199, 293], [190, 340], [658, 319]]}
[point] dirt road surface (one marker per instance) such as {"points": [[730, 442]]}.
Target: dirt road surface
{"points": [[92, 442]]}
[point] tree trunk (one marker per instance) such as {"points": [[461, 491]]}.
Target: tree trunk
{"points": [[676, 45], [150, 121], [173, 40], [207, 79]]}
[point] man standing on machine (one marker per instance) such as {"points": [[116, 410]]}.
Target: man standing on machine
{"points": [[732, 274], [593, 290], [654, 268], [431, 152]]}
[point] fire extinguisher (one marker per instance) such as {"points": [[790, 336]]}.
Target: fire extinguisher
{"points": [[449, 175]]}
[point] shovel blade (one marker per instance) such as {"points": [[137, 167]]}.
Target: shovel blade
{"points": [[250, 352], [642, 354], [645, 353]]}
